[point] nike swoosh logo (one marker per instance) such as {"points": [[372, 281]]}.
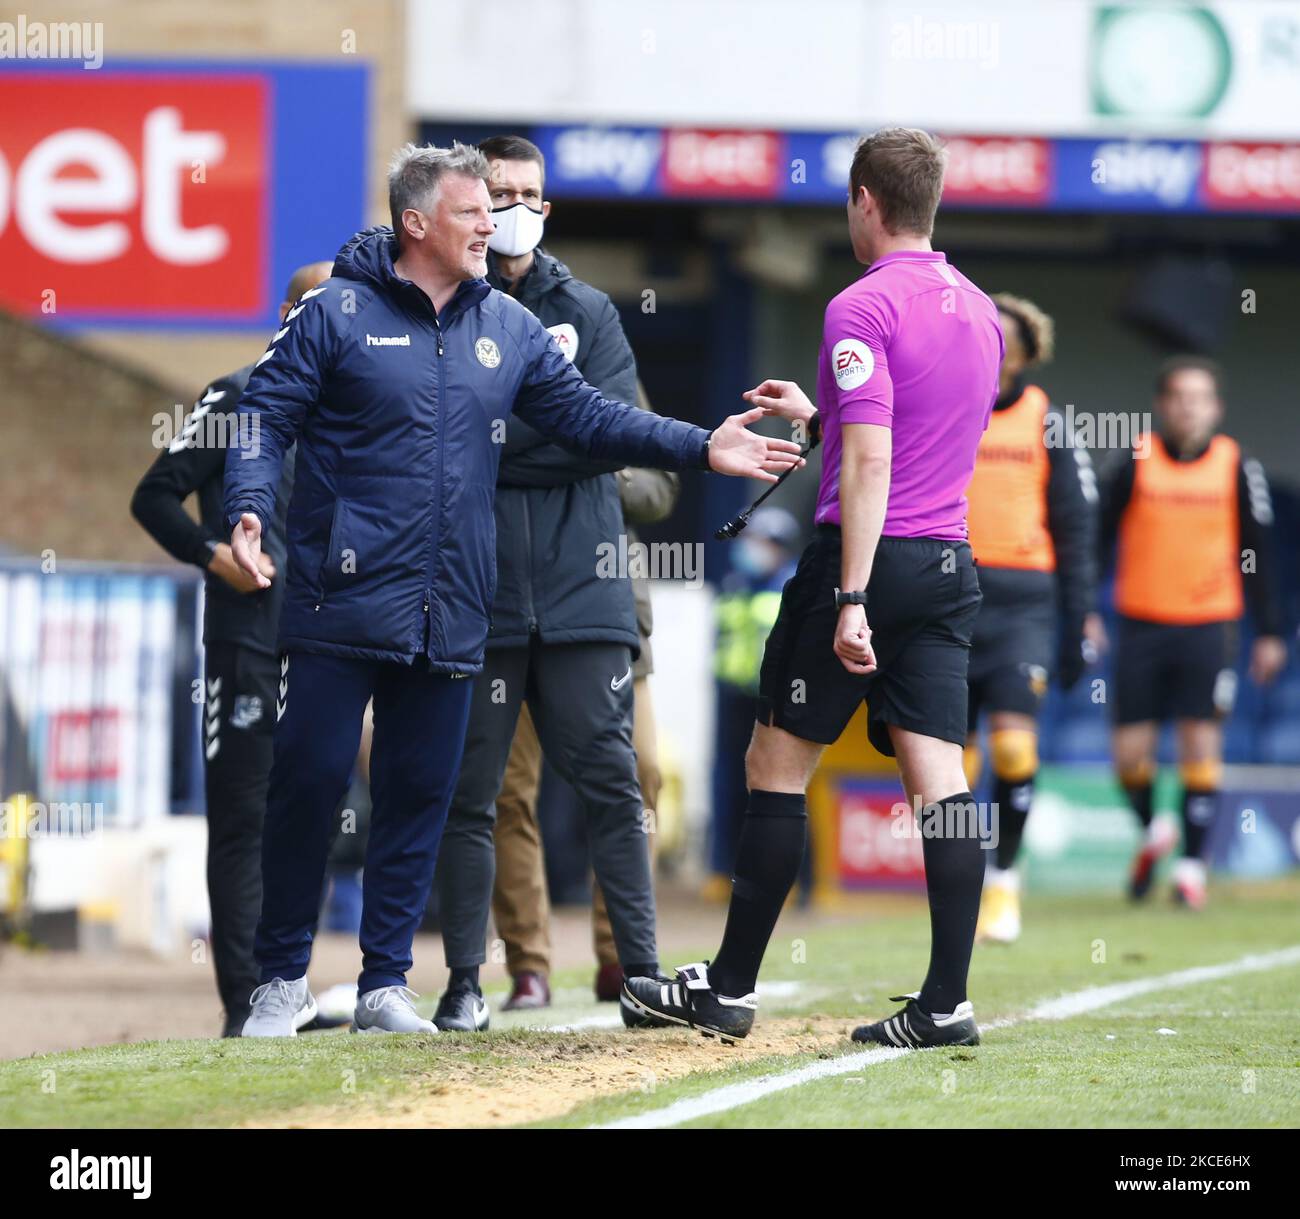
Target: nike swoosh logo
{"points": [[617, 683]]}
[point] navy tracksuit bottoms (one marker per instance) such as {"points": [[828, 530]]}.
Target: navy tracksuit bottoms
{"points": [[419, 732]]}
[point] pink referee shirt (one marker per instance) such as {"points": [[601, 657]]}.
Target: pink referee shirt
{"points": [[913, 346]]}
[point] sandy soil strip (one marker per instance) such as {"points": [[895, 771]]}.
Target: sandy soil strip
{"points": [[548, 1080]]}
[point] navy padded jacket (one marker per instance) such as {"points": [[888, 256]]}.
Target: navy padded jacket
{"points": [[399, 414]]}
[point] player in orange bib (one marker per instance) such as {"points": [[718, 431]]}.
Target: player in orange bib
{"points": [[1190, 522], [1032, 521]]}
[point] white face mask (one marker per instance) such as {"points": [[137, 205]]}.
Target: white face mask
{"points": [[519, 229]]}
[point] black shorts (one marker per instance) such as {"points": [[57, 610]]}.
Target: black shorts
{"points": [[1164, 672], [921, 606], [1014, 643]]}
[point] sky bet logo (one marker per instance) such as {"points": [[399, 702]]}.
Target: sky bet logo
{"points": [[1169, 172], [115, 192], [621, 159], [179, 195]]}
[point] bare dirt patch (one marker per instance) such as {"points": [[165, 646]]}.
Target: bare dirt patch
{"points": [[547, 1079]]}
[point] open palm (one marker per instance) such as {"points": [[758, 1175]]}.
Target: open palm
{"points": [[735, 450]]}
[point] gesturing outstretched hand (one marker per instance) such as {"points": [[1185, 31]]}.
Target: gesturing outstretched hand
{"points": [[734, 449]]}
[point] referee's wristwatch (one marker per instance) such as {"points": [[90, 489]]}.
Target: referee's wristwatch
{"points": [[842, 599]]}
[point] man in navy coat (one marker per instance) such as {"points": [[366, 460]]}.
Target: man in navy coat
{"points": [[395, 377]]}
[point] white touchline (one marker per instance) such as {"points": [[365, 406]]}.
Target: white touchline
{"points": [[733, 1096], [1102, 996]]}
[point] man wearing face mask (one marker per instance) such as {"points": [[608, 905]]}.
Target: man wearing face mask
{"points": [[562, 638]]}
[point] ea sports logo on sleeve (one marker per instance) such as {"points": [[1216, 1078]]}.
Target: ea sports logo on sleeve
{"points": [[489, 354], [853, 363]]}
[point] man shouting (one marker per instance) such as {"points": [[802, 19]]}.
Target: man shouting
{"points": [[396, 377]]}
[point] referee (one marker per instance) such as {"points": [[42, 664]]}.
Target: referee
{"points": [[240, 671], [396, 377], [883, 602]]}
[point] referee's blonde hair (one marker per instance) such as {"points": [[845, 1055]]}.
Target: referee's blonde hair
{"points": [[1037, 331]]}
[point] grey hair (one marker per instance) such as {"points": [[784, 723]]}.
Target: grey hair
{"points": [[415, 172]]}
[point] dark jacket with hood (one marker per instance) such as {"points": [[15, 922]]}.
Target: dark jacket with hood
{"points": [[398, 413], [556, 509]]}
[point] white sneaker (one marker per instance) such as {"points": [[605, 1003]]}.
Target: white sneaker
{"points": [[1161, 838], [1189, 883], [388, 1009], [279, 1009]]}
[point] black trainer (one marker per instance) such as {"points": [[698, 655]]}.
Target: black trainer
{"points": [[913, 1029], [638, 1018], [688, 999], [461, 1010]]}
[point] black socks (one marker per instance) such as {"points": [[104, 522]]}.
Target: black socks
{"points": [[1199, 807], [1013, 801], [767, 862], [771, 849], [954, 877], [1141, 797], [466, 978]]}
